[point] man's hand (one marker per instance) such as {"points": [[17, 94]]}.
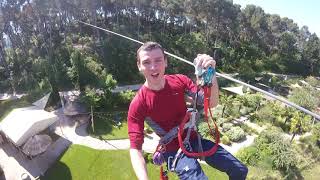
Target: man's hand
{"points": [[204, 61], [138, 164]]}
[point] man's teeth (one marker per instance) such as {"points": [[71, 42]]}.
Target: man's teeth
{"points": [[155, 74]]}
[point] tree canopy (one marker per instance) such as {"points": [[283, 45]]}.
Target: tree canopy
{"points": [[42, 43]]}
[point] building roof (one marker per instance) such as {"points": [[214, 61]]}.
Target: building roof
{"points": [[7, 96], [23, 123], [236, 90]]}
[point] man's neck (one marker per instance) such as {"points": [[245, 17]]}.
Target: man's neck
{"points": [[155, 87]]}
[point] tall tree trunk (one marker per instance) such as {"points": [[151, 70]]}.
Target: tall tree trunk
{"points": [[6, 67]]}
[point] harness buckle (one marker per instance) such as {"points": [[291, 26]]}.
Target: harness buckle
{"points": [[172, 161]]}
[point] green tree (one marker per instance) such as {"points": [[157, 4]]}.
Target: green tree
{"points": [[299, 123]]}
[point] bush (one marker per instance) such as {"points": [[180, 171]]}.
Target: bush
{"points": [[261, 173], [104, 98], [272, 112], [248, 129], [233, 112], [203, 129], [271, 144], [309, 145], [283, 157], [235, 134], [225, 140], [305, 97], [226, 127], [264, 114], [316, 130], [126, 97], [147, 129], [253, 100], [221, 121], [148, 157], [313, 81], [249, 155]]}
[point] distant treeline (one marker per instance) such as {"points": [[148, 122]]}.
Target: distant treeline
{"points": [[42, 44]]}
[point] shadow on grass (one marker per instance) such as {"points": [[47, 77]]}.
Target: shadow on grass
{"points": [[62, 168], [293, 173]]}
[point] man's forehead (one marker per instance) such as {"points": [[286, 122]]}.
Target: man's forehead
{"points": [[154, 53]]}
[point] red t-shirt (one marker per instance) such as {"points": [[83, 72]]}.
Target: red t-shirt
{"points": [[165, 107]]}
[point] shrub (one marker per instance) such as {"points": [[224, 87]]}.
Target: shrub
{"points": [[272, 112], [261, 173], [283, 157], [126, 96], [263, 114], [104, 98], [221, 121], [226, 127], [316, 130], [300, 123], [271, 144], [310, 145], [233, 112], [305, 97], [249, 155], [147, 129], [148, 157], [248, 129], [203, 129], [253, 100], [313, 81], [225, 140], [267, 137], [235, 134]]}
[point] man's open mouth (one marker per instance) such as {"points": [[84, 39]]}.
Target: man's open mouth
{"points": [[155, 75]]}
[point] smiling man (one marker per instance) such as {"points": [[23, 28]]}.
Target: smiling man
{"points": [[160, 102]]}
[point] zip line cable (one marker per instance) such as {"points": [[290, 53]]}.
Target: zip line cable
{"points": [[291, 104]]}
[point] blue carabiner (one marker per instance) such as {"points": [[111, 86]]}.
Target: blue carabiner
{"points": [[208, 75]]}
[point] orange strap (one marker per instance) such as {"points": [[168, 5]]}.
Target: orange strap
{"points": [[163, 176]]}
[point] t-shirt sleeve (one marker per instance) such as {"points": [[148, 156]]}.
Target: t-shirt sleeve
{"points": [[136, 116]]}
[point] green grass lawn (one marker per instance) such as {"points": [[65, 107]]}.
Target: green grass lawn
{"points": [[313, 173], [8, 105], [105, 126], [83, 163]]}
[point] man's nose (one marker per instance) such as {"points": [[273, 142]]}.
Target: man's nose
{"points": [[153, 66]]}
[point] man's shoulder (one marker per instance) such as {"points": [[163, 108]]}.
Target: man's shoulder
{"points": [[177, 77], [139, 95]]}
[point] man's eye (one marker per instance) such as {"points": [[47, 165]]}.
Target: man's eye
{"points": [[146, 63]]}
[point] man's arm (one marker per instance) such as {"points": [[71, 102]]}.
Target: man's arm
{"points": [[138, 164], [214, 99]]}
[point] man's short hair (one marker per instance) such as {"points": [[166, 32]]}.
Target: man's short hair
{"points": [[149, 46]]}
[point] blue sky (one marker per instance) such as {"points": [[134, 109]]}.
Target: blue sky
{"points": [[303, 12]]}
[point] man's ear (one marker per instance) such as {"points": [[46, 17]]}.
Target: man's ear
{"points": [[138, 65], [166, 61]]}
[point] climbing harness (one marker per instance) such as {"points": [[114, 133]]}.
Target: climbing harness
{"points": [[189, 122], [204, 82]]}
